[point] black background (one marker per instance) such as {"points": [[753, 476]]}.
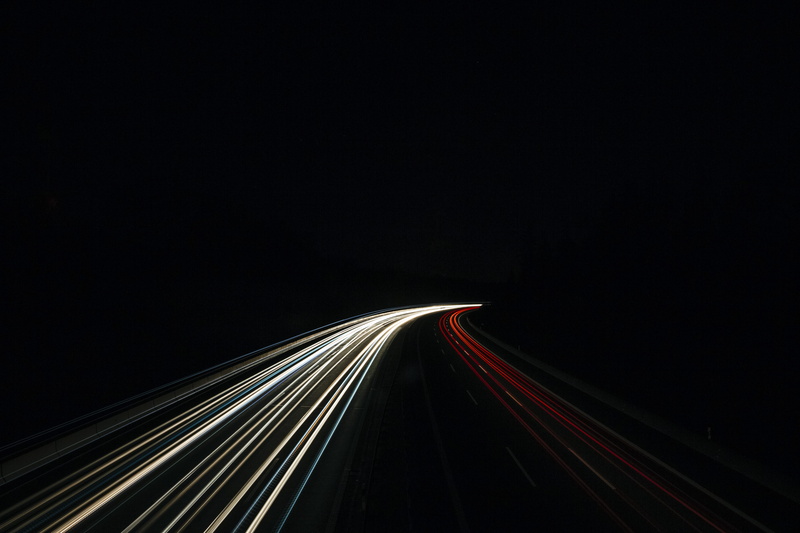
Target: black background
{"points": [[182, 187]]}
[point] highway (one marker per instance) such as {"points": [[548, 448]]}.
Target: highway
{"points": [[401, 420], [237, 455], [636, 489]]}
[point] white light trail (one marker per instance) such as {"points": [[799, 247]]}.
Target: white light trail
{"points": [[289, 409]]}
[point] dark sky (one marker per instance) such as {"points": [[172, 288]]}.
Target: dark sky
{"points": [[179, 180], [423, 137]]}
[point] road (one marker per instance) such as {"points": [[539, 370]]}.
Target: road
{"points": [[238, 455], [396, 421], [524, 456]]}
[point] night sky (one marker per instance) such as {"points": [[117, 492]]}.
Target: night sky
{"points": [[181, 187]]}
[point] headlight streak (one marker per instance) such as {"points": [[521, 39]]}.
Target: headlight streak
{"points": [[298, 395], [385, 337], [255, 477], [164, 430], [287, 469], [231, 406], [267, 422], [236, 399], [238, 425], [296, 455], [613, 450]]}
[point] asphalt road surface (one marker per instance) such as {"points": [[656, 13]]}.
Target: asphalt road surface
{"points": [[401, 420]]}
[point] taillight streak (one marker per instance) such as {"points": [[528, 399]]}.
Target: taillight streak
{"points": [[581, 483], [476, 356]]}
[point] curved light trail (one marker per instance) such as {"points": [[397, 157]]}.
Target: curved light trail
{"points": [[235, 456], [269, 443], [635, 489]]}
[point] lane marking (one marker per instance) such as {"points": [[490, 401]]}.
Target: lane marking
{"points": [[512, 397], [448, 473], [451, 368], [592, 469], [484, 370], [525, 472], [471, 398]]}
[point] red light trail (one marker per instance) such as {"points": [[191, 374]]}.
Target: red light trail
{"points": [[630, 476]]}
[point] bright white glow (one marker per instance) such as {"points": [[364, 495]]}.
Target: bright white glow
{"points": [[285, 413]]}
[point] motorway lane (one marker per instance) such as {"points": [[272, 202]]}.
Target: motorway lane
{"points": [[450, 458], [635, 489], [505, 479], [235, 456], [775, 505], [396, 421]]}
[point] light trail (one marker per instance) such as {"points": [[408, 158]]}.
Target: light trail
{"points": [[236, 455], [632, 479]]}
